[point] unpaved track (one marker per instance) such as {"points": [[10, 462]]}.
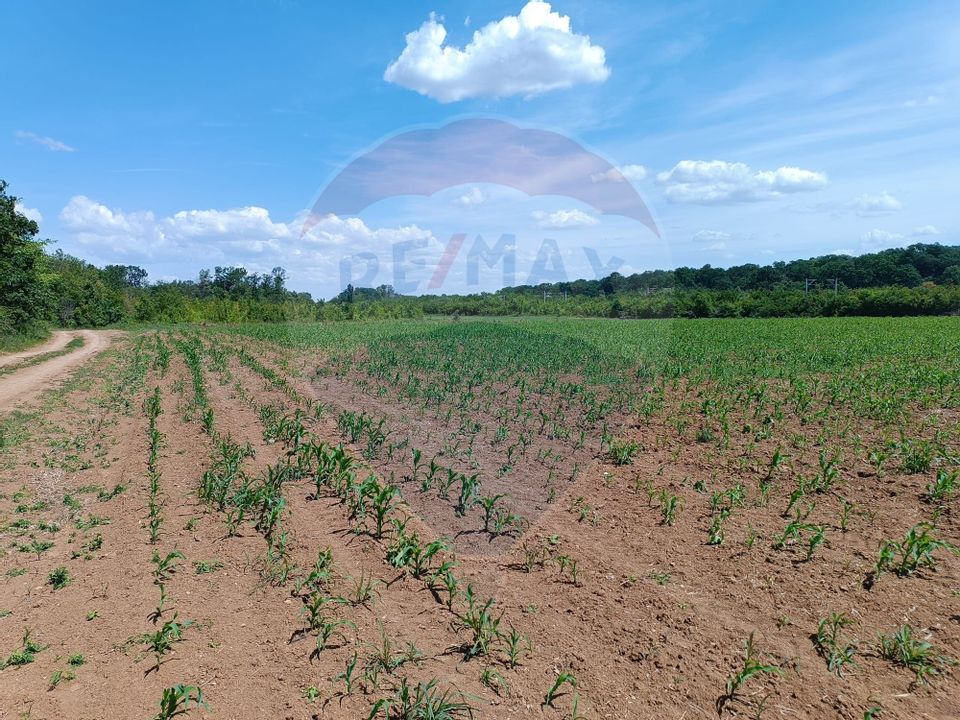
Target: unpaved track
{"points": [[58, 341], [24, 385]]}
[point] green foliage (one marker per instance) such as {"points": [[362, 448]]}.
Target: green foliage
{"points": [[423, 701], [622, 451], [902, 648], [59, 578], [914, 552], [26, 654], [751, 667], [829, 644], [564, 678], [26, 295], [178, 700]]}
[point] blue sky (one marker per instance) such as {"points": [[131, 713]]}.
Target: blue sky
{"points": [[185, 135]]}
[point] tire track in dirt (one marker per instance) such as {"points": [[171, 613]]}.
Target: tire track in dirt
{"points": [[58, 341], [26, 384]]}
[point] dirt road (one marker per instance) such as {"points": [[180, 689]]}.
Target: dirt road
{"points": [[57, 341], [24, 385]]}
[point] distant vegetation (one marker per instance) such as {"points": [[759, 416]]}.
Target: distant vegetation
{"points": [[40, 289]]}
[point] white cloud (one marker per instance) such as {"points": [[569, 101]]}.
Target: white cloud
{"points": [[711, 236], [526, 54], [926, 231], [119, 232], [48, 142], [333, 232], [561, 219], [632, 173], [710, 182], [881, 204], [29, 213], [246, 236], [879, 240], [473, 196], [249, 223]]}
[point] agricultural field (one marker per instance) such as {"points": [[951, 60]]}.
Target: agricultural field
{"points": [[534, 518]]}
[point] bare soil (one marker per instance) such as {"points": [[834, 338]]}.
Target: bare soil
{"points": [[25, 384]]}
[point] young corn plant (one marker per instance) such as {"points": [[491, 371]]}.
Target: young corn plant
{"points": [[568, 564], [362, 591], [751, 667], [469, 491], [319, 575], [564, 678], [384, 659], [716, 533], [179, 700], [327, 631], [623, 451], [830, 646], [162, 641], [489, 505], [491, 678], [483, 624], [418, 464], [423, 701], [670, 506], [516, 644], [902, 648], [944, 487], [165, 567], [348, 674], [913, 553], [796, 531], [383, 500]]}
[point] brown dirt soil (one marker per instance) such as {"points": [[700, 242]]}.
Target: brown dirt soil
{"points": [[58, 340], [25, 384], [652, 626]]}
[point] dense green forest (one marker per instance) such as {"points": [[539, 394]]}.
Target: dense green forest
{"points": [[39, 289]]}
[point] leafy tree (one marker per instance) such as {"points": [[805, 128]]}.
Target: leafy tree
{"points": [[25, 297]]}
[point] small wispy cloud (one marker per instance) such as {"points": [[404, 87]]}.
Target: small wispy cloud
{"points": [[711, 236], [48, 142], [920, 102], [564, 219], [631, 173]]}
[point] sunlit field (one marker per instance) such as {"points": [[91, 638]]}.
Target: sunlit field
{"points": [[592, 518]]}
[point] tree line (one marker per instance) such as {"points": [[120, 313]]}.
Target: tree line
{"points": [[39, 289]]}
